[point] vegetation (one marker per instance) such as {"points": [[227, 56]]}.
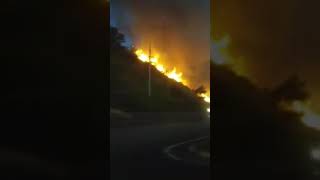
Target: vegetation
{"points": [[253, 137], [129, 85]]}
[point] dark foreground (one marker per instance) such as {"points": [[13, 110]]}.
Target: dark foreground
{"points": [[138, 152]]}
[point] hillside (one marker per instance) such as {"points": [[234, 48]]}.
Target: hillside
{"points": [[252, 132], [129, 87]]}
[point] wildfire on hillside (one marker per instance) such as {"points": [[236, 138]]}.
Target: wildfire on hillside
{"points": [[221, 57], [154, 60], [172, 74]]}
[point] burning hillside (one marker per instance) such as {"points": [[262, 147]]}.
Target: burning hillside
{"points": [[154, 60], [178, 30], [173, 74], [221, 56]]}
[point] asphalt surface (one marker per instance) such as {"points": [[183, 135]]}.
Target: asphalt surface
{"points": [[138, 152]]}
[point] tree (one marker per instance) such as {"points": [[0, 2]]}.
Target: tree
{"points": [[200, 90], [116, 38], [292, 89]]}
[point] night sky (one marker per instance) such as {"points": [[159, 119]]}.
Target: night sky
{"points": [[178, 29], [273, 38]]}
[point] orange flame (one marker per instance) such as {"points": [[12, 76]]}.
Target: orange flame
{"points": [[173, 74], [160, 67], [142, 56], [205, 97]]}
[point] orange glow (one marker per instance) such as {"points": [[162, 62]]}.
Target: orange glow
{"points": [[160, 67], [205, 97], [173, 74], [142, 56]]}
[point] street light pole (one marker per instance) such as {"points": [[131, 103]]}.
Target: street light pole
{"points": [[149, 82]]}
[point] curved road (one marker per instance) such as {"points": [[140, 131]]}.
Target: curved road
{"points": [[138, 152]]}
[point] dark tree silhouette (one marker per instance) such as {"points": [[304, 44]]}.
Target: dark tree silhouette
{"points": [[252, 135], [116, 38], [292, 89], [200, 90]]}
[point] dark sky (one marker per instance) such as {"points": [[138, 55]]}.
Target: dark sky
{"points": [[274, 38], [178, 29]]}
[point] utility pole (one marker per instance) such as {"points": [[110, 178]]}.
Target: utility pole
{"points": [[164, 38], [149, 82]]}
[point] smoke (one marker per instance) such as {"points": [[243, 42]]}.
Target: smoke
{"points": [[275, 39], [179, 30]]}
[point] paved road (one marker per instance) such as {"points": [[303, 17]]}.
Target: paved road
{"points": [[137, 152]]}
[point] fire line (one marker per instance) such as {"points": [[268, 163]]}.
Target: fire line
{"points": [[171, 74]]}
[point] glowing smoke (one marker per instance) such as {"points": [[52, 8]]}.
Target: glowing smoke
{"points": [[179, 29]]}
